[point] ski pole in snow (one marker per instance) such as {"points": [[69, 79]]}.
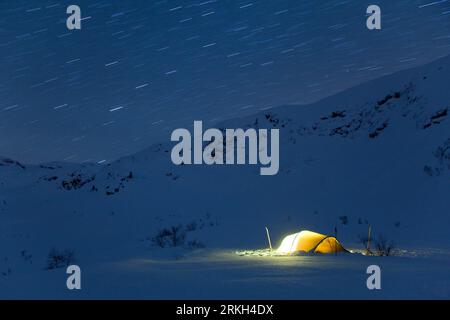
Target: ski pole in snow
{"points": [[268, 238]]}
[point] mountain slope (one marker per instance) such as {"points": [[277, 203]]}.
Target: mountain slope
{"points": [[377, 154]]}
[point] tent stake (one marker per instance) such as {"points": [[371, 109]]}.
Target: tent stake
{"points": [[268, 238]]}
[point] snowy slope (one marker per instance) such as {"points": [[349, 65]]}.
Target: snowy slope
{"points": [[377, 154]]}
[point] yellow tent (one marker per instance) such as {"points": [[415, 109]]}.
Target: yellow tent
{"points": [[310, 242]]}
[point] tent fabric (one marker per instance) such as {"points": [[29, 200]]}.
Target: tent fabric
{"points": [[310, 242]]}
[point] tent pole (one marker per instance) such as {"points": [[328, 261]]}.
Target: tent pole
{"points": [[268, 238], [368, 238]]}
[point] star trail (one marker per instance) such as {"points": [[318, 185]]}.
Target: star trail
{"points": [[138, 69]]}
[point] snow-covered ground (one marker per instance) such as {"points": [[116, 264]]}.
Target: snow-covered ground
{"points": [[224, 275], [378, 154]]}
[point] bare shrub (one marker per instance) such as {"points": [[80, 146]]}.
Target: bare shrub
{"points": [[174, 236], [161, 238], [383, 247], [60, 259]]}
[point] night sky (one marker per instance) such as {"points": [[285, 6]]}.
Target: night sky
{"points": [[139, 69]]}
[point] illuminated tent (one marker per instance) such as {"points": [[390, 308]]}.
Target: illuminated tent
{"points": [[310, 242]]}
